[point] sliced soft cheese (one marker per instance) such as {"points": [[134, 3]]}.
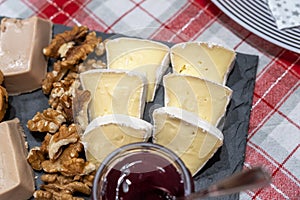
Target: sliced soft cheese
{"points": [[105, 134], [205, 98], [144, 56], [204, 60], [115, 92], [195, 141]]}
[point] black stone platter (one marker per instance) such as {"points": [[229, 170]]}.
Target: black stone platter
{"points": [[227, 160]]}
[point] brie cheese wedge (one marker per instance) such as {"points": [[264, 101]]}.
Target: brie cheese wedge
{"points": [[195, 141], [144, 56], [205, 60], [115, 92], [205, 98], [105, 134]]}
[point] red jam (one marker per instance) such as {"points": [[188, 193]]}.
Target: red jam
{"points": [[143, 175]]}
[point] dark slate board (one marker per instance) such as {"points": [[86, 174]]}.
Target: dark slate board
{"points": [[228, 159]]}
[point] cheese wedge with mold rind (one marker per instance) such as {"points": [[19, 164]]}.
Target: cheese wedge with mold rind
{"points": [[205, 60], [107, 133], [194, 140], [115, 92], [207, 99], [144, 56]]}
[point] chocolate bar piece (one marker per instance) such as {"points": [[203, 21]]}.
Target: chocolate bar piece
{"points": [[21, 57], [16, 175]]}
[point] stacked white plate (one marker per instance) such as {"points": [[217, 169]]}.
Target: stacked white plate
{"points": [[256, 16]]}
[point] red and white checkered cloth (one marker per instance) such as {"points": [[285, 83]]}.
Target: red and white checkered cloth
{"points": [[274, 134]]}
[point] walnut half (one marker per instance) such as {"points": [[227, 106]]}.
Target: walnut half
{"points": [[3, 98], [48, 121], [69, 163], [65, 135], [1, 77], [35, 158], [76, 34], [3, 102]]}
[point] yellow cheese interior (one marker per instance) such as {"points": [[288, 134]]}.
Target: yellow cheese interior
{"points": [[114, 93], [192, 144], [106, 138], [146, 61], [204, 98], [204, 61]]}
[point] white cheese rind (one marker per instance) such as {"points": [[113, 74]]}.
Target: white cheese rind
{"points": [[123, 45], [195, 141], [122, 120], [207, 99], [105, 134], [144, 56], [205, 60], [129, 92]]}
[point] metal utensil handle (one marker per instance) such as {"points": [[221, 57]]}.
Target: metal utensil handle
{"points": [[248, 179]]}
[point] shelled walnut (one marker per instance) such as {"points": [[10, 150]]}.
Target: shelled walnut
{"points": [[3, 102], [59, 157], [58, 179], [65, 135], [48, 121], [53, 76], [61, 96], [1, 77], [76, 34], [66, 173], [68, 163], [39, 154], [53, 195], [35, 158], [70, 48], [45, 143], [59, 187], [90, 64], [78, 53], [3, 98]]}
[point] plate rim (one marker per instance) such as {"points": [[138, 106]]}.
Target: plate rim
{"points": [[257, 32]]}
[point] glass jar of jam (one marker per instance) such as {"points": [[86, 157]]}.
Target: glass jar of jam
{"points": [[142, 171]]}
